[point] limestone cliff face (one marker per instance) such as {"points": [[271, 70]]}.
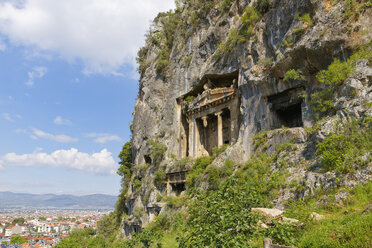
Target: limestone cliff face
{"points": [[244, 49]]}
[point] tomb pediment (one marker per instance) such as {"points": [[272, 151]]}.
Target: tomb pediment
{"points": [[209, 114]]}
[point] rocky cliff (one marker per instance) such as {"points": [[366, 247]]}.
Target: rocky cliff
{"points": [[247, 77]]}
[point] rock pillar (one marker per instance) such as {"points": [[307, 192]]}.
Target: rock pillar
{"points": [[219, 129]]}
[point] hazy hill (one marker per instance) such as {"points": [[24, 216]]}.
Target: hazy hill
{"points": [[21, 200]]}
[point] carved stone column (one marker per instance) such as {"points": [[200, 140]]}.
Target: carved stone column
{"points": [[205, 141], [184, 145], [197, 144], [191, 137], [219, 129]]}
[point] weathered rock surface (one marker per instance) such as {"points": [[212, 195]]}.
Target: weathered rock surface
{"points": [[266, 101]]}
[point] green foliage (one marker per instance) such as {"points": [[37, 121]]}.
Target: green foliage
{"points": [[352, 9], [240, 35], [305, 18], [108, 226], [340, 150], [221, 218], [249, 19], [322, 102], [125, 162], [194, 176], [266, 62], [189, 99], [82, 238], [138, 211], [282, 233], [162, 63], [141, 60], [263, 6], [137, 184], [225, 5], [159, 233], [18, 221], [157, 151], [159, 177], [216, 174], [257, 174], [336, 74], [42, 218], [124, 171], [293, 75], [334, 77], [340, 231], [288, 42], [17, 240], [187, 60], [298, 31], [259, 139], [175, 201], [216, 151], [182, 163]]}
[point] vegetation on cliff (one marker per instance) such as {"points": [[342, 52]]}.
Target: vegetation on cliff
{"points": [[216, 209]]}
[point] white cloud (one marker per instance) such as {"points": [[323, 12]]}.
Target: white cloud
{"points": [[37, 72], [20, 130], [104, 34], [7, 117], [103, 137], [97, 163], [60, 121], [59, 137]]}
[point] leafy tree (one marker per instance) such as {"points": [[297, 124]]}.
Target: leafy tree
{"points": [[18, 221], [221, 218], [83, 238], [157, 151], [125, 162], [17, 240]]}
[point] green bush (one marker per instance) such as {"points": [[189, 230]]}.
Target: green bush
{"points": [[266, 62], [157, 151], [225, 5], [221, 218], [340, 150], [282, 233], [194, 176], [263, 6], [322, 102], [175, 201], [240, 35], [137, 184], [336, 73], [293, 75], [159, 177], [249, 19], [305, 18], [259, 139], [334, 77], [138, 212], [288, 42], [216, 174]]}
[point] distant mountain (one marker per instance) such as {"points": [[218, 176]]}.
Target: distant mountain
{"points": [[20, 200]]}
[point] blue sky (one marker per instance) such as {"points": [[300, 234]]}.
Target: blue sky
{"points": [[68, 85]]}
